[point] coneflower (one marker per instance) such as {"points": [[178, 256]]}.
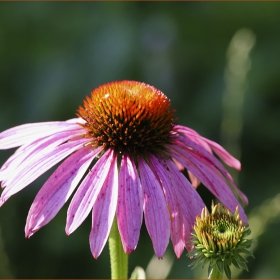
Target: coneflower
{"points": [[123, 156]]}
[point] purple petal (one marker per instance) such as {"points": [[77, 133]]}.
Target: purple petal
{"points": [[104, 210], [88, 191], [179, 165], [57, 189], [195, 182], [39, 166], [157, 217], [130, 204], [220, 151], [184, 202], [7, 170], [28, 155], [170, 190], [28, 133], [209, 176], [189, 200], [224, 155], [185, 143], [212, 161], [194, 136]]}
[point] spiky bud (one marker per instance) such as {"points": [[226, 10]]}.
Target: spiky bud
{"points": [[219, 238]]}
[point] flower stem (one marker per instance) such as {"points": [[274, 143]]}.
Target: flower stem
{"points": [[118, 259], [215, 273]]}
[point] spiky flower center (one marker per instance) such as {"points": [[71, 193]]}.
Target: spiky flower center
{"points": [[220, 231], [128, 116]]}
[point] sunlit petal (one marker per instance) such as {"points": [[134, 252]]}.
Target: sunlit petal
{"points": [[156, 213], [104, 210], [130, 204], [87, 193], [58, 188]]}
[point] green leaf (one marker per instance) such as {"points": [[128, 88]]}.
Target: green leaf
{"points": [[243, 265], [220, 265], [196, 262], [228, 260], [235, 263], [239, 258], [205, 261], [227, 271], [246, 232], [246, 252], [213, 261]]}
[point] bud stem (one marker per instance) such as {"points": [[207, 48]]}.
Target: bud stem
{"points": [[215, 273]]}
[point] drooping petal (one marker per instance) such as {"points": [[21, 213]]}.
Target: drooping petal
{"points": [[27, 133], [157, 217], [219, 150], [29, 174], [213, 161], [7, 170], [130, 204], [224, 155], [189, 200], [194, 180], [28, 155], [183, 142], [194, 136], [86, 195], [186, 202], [58, 188], [164, 177], [13, 160], [104, 210], [14, 157], [209, 176], [180, 166]]}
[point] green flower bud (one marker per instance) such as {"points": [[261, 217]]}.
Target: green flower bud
{"points": [[219, 238]]}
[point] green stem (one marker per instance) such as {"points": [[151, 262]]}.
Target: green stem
{"points": [[215, 273], [118, 259]]}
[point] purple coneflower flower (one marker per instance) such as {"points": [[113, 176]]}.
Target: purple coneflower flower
{"points": [[123, 155]]}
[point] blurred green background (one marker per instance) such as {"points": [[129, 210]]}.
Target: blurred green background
{"points": [[217, 62]]}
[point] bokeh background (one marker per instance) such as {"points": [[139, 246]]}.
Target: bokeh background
{"points": [[217, 62]]}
